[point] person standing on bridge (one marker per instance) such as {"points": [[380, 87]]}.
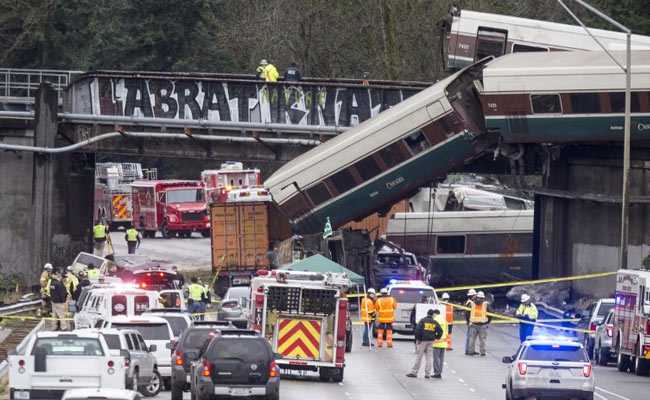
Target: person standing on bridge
{"points": [[292, 74], [427, 332], [368, 315], [267, 71], [527, 312], [133, 239], [386, 306], [100, 232], [478, 324]]}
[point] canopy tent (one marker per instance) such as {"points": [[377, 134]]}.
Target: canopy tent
{"points": [[319, 263]]}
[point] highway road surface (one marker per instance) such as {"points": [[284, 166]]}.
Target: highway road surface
{"points": [[186, 253], [380, 374]]}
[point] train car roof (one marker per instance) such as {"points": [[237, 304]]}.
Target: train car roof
{"points": [[461, 222], [561, 71]]}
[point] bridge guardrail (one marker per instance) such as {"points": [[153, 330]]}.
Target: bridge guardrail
{"points": [[20, 85]]}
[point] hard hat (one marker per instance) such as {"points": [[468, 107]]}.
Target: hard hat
{"points": [[48, 267], [383, 291], [68, 268], [471, 292], [264, 62], [525, 298], [480, 295], [445, 296], [371, 291]]}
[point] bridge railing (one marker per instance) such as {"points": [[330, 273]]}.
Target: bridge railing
{"points": [[21, 85]]}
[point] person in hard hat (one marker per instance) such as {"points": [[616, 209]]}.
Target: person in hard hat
{"points": [[440, 346], [267, 71], [45, 277], [100, 233], [471, 296], [386, 306], [427, 332], [449, 318], [45, 289], [527, 312], [478, 320], [59, 297], [83, 282], [196, 293], [368, 315], [133, 239], [71, 281]]}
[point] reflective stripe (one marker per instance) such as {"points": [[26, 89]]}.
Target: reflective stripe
{"points": [[99, 231], [386, 309], [478, 313], [449, 313]]}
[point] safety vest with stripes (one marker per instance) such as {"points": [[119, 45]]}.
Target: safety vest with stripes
{"points": [[386, 309], [131, 235], [93, 274], [99, 231], [367, 309], [527, 310], [478, 313], [449, 313], [196, 292], [442, 342]]}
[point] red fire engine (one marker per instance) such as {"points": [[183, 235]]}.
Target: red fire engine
{"points": [[173, 207], [233, 183], [632, 320], [303, 316]]}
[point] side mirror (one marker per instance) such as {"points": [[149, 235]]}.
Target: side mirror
{"points": [[153, 348], [507, 360]]}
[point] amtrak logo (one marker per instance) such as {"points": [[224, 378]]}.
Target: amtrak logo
{"points": [[253, 367], [643, 127]]}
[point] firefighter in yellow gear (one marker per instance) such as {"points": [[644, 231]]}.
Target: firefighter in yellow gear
{"points": [[368, 315], [449, 317], [45, 278], [267, 72], [385, 306], [71, 281], [440, 345]]}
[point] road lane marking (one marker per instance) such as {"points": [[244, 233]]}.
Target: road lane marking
{"points": [[600, 396], [612, 393]]}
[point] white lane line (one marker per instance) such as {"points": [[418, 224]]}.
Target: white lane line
{"points": [[461, 380], [472, 390], [600, 396], [612, 393], [453, 371]]}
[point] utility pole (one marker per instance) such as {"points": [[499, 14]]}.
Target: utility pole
{"points": [[625, 198]]}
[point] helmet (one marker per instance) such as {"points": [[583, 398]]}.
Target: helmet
{"points": [[383, 291], [371, 291], [480, 295], [471, 292], [82, 273], [525, 298], [264, 62], [445, 296], [68, 268], [48, 267]]}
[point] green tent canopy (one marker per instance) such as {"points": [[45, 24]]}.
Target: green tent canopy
{"points": [[319, 263]]}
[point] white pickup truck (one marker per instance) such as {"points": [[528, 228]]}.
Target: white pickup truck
{"points": [[56, 361]]}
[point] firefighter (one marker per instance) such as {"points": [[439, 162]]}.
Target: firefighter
{"points": [[427, 332], [440, 345], [196, 292], [133, 239], [527, 311], [478, 320], [100, 232], [45, 289], [385, 306], [71, 281], [471, 295], [449, 318], [59, 295], [368, 315]]}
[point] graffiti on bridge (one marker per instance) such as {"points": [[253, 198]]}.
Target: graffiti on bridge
{"points": [[241, 101]]}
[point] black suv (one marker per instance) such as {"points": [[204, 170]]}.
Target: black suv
{"points": [[236, 363]]}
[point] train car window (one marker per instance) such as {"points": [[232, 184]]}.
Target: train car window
{"points": [[318, 194], [617, 102], [368, 168], [343, 181], [582, 103], [522, 48], [490, 42], [450, 245], [393, 154], [417, 142], [546, 103]]}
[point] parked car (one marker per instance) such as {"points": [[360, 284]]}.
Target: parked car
{"points": [[54, 362], [235, 306], [178, 319], [141, 368], [554, 368], [187, 351], [604, 349], [156, 332], [591, 318], [101, 393], [236, 363]]}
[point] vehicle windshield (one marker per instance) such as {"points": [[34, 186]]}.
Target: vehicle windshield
{"points": [[604, 309], [405, 295], [76, 346], [177, 323], [148, 331], [113, 341], [394, 259], [193, 195], [548, 352], [243, 349], [196, 337], [87, 259]]}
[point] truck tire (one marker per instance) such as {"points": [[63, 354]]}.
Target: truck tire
{"points": [[205, 233], [348, 342], [135, 381], [324, 374], [641, 366], [337, 374], [153, 387], [622, 361]]}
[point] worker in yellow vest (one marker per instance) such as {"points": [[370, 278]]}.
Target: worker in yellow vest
{"points": [[449, 318], [71, 281], [133, 239], [368, 315], [100, 232], [478, 320], [527, 312], [93, 273], [385, 306], [440, 345], [196, 295]]}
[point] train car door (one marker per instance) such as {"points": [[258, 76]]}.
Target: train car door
{"points": [[490, 42]]}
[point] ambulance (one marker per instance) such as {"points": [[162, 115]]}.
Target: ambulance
{"points": [[303, 316], [632, 320]]}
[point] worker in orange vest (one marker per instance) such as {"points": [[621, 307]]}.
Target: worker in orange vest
{"points": [[449, 317], [478, 320], [386, 306], [368, 315]]}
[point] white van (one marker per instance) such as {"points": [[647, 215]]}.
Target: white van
{"points": [[100, 305], [407, 294], [155, 331]]}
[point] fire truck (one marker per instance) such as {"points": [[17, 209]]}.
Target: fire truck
{"points": [[303, 315], [233, 183], [632, 320], [173, 207]]}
